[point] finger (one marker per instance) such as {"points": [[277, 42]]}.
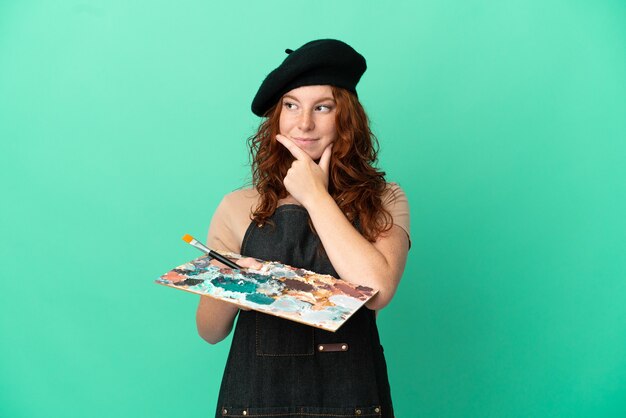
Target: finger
{"points": [[219, 264], [249, 262], [293, 148], [325, 159]]}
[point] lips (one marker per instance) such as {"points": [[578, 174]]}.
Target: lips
{"points": [[305, 143]]}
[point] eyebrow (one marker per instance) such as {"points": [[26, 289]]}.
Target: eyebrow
{"points": [[323, 99]]}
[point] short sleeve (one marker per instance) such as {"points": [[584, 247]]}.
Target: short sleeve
{"points": [[231, 219], [221, 235], [396, 202]]}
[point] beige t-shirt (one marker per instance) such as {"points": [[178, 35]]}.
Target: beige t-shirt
{"points": [[234, 214]]}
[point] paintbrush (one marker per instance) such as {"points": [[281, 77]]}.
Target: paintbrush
{"points": [[212, 254]]}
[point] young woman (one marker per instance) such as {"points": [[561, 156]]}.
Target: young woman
{"points": [[318, 203]]}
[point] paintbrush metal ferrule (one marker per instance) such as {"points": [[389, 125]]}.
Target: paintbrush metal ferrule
{"points": [[212, 254], [200, 246]]}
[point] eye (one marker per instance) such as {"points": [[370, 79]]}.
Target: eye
{"points": [[324, 108], [289, 105]]}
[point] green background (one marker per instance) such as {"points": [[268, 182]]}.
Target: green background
{"points": [[123, 123]]}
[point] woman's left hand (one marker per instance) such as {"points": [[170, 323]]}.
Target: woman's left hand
{"points": [[306, 180]]}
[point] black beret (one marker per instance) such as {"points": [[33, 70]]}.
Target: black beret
{"points": [[320, 62]]}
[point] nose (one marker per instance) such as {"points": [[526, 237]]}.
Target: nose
{"points": [[305, 123]]}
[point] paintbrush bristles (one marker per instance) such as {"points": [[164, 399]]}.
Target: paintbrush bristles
{"points": [[187, 238]]}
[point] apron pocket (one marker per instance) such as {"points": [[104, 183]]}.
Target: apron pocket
{"points": [[280, 337]]}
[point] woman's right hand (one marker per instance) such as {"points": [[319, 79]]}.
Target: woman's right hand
{"points": [[246, 262], [249, 262], [214, 318]]}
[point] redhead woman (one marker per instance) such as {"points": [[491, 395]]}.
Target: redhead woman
{"points": [[316, 202]]}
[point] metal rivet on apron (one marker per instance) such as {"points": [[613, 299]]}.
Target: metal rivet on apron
{"points": [[321, 348], [344, 347], [224, 411], [245, 412], [377, 409], [358, 412]]}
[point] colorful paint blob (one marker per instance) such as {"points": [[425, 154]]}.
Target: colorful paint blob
{"points": [[292, 293]]}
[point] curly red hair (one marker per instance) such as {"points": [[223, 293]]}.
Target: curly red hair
{"points": [[354, 182]]}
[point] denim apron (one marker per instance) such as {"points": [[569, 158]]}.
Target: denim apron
{"points": [[280, 368]]}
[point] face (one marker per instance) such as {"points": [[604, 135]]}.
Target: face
{"points": [[307, 117]]}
